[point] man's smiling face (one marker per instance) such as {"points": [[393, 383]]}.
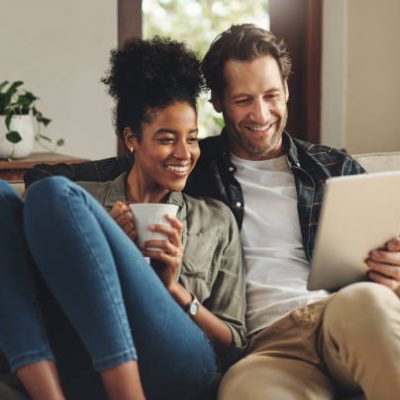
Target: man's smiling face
{"points": [[254, 106]]}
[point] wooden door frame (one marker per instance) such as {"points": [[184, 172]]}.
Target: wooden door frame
{"points": [[129, 25], [299, 23]]}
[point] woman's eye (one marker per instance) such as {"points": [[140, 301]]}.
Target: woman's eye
{"points": [[166, 140], [192, 140]]}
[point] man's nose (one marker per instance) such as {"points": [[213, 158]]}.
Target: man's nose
{"points": [[260, 112]]}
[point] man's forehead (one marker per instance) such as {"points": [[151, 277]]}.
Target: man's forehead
{"points": [[262, 72]]}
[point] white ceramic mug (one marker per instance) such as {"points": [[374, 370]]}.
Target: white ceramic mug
{"points": [[146, 214]]}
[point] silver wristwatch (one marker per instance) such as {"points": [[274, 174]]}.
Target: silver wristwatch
{"points": [[193, 307]]}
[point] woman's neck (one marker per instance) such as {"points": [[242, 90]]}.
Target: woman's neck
{"points": [[139, 190]]}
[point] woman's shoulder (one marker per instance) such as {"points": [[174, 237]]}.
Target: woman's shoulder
{"points": [[106, 193], [97, 189]]}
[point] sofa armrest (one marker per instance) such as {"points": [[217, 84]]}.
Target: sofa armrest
{"points": [[379, 162]]}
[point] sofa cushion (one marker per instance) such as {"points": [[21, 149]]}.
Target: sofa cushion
{"points": [[379, 162], [19, 187]]}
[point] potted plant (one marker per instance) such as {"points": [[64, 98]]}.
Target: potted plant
{"points": [[18, 114]]}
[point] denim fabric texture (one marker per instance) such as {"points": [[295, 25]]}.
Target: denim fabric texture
{"points": [[108, 292]]}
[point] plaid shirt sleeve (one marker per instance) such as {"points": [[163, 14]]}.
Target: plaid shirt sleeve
{"points": [[96, 171]]}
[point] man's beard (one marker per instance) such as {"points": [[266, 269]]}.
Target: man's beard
{"points": [[261, 149]]}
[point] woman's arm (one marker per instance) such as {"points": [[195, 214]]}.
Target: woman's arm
{"points": [[170, 257], [215, 329]]}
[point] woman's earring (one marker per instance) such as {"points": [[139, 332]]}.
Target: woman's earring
{"points": [[131, 149]]}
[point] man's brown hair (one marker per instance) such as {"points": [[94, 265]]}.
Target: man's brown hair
{"points": [[244, 42]]}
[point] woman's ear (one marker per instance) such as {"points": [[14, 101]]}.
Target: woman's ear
{"points": [[129, 139]]}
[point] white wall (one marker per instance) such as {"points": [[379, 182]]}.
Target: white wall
{"points": [[361, 75], [60, 49]]}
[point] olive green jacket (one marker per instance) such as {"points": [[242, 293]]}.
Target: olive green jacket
{"points": [[212, 265]]}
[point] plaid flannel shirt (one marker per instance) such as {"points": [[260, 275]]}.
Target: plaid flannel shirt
{"points": [[214, 176]]}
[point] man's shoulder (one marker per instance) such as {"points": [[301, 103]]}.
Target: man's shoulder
{"points": [[333, 161], [321, 151]]}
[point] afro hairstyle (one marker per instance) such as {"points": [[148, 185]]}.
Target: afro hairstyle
{"points": [[149, 75]]}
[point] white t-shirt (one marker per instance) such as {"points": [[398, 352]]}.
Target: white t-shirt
{"points": [[277, 268]]}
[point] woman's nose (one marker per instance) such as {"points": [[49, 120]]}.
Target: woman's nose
{"points": [[182, 151]]}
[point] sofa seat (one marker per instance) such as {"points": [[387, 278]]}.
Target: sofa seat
{"points": [[372, 162]]}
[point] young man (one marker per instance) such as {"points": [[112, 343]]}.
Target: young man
{"points": [[303, 344]]}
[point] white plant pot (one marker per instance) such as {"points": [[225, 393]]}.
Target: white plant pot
{"points": [[24, 125]]}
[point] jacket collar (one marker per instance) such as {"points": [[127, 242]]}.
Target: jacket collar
{"points": [[290, 150]]}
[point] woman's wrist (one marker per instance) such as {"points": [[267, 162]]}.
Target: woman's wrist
{"points": [[182, 296]]}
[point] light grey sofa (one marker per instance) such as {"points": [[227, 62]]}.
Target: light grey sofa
{"points": [[372, 162]]}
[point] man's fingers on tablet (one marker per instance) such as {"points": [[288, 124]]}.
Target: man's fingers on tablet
{"points": [[390, 271], [385, 257], [384, 280]]}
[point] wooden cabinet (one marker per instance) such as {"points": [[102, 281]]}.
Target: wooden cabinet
{"points": [[13, 171]]}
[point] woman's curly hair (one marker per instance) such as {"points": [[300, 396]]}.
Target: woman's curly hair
{"points": [[148, 75]]}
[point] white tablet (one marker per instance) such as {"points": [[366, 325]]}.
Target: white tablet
{"points": [[359, 213]]}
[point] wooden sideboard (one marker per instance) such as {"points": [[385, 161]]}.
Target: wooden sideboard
{"points": [[13, 171]]}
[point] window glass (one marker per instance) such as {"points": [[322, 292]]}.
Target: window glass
{"points": [[198, 22]]}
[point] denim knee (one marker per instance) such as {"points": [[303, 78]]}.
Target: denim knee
{"points": [[8, 192], [46, 190]]}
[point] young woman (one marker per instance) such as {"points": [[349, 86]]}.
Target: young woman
{"points": [[159, 331]]}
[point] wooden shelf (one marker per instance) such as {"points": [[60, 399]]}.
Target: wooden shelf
{"points": [[13, 171]]}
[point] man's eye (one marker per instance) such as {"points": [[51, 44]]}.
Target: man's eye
{"points": [[242, 101], [275, 96]]}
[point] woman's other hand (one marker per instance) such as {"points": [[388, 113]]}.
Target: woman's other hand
{"points": [[123, 216], [169, 257]]}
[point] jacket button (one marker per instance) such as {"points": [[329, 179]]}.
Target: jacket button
{"points": [[238, 204]]}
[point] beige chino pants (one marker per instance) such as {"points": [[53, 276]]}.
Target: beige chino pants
{"points": [[343, 344]]}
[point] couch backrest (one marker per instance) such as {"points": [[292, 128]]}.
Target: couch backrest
{"points": [[379, 162], [19, 187], [372, 162]]}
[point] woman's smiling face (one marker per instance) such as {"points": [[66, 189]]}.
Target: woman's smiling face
{"points": [[167, 148]]}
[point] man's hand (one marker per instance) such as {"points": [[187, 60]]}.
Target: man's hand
{"points": [[384, 265], [123, 216]]}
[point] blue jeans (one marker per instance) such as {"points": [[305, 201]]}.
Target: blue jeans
{"points": [[112, 298]]}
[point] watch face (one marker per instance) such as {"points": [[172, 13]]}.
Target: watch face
{"points": [[194, 307]]}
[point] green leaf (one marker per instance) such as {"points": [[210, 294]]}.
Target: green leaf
{"points": [[8, 121], [60, 142], [13, 137], [14, 86], [3, 84], [44, 121], [25, 100]]}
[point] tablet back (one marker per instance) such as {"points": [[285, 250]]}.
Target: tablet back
{"points": [[359, 213]]}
